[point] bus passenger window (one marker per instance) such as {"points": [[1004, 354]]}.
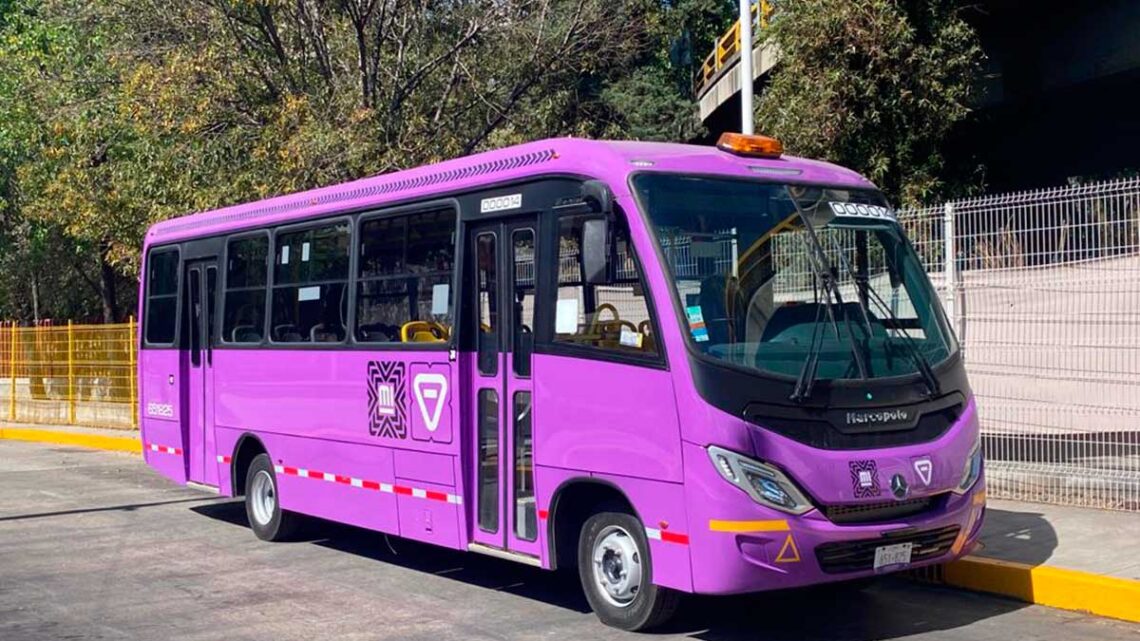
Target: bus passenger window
{"points": [[613, 316], [310, 285], [404, 278], [162, 296], [247, 270]]}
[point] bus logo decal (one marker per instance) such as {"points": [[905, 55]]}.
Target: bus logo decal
{"points": [[386, 411], [864, 479], [431, 391], [924, 467]]}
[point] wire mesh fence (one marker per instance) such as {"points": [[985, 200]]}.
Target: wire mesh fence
{"points": [[69, 375], [1044, 290]]}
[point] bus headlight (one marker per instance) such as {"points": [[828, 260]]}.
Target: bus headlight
{"points": [[972, 469], [765, 483]]}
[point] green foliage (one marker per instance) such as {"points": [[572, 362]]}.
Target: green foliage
{"points": [[876, 85], [116, 115]]}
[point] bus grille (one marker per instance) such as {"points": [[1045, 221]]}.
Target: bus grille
{"points": [[879, 512], [857, 556]]}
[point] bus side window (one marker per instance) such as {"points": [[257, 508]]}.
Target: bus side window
{"points": [[310, 285], [404, 278], [247, 270], [161, 313], [613, 316]]}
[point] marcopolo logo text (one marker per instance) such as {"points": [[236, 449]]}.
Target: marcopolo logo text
{"points": [[877, 417]]}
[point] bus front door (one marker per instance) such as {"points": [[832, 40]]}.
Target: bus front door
{"points": [[198, 318], [502, 506]]}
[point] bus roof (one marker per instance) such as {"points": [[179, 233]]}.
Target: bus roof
{"points": [[608, 160]]}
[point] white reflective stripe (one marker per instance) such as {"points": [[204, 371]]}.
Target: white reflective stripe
{"points": [[302, 471], [418, 493], [386, 487], [280, 469], [153, 447], [653, 534], [454, 500], [357, 482], [330, 477]]}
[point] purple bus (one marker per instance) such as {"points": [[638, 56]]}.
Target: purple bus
{"points": [[677, 369]]}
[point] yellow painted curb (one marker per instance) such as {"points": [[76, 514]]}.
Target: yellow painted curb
{"points": [[95, 441], [1042, 585]]}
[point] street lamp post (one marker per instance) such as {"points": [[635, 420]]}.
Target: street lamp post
{"points": [[746, 67]]}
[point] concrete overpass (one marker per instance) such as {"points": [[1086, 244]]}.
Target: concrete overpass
{"points": [[719, 80], [1052, 67]]}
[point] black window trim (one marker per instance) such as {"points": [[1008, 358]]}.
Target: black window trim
{"points": [[225, 285], [271, 283], [465, 201], [408, 210], [145, 321], [544, 341]]}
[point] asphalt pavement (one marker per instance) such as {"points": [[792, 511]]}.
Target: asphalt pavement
{"points": [[93, 545]]}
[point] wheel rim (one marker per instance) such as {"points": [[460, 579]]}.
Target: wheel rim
{"points": [[263, 498], [617, 566]]}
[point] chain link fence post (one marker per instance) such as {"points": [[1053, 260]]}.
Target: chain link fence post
{"points": [[132, 345], [70, 374], [950, 273], [12, 374]]}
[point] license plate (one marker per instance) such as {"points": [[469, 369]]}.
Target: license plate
{"points": [[889, 555]]}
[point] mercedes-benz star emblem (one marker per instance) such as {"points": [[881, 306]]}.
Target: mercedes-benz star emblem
{"points": [[899, 486]]}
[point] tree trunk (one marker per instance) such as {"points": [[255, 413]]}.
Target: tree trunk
{"points": [[107, 287]]}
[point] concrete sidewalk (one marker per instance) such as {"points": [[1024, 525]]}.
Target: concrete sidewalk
{"points": [[1095, 541], [1064, 557]]}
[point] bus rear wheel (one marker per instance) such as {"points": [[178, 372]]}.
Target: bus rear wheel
{"points": [[266, 518], [617, 574]]}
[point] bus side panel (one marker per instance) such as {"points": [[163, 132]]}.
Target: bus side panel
{"points": [[316, 478], [603, 417], [349, 433], [661, 507], [162, 431]]}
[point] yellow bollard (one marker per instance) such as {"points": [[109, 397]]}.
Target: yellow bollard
{"points": [[70, 375]]}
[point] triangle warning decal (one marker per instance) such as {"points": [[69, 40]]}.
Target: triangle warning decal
{"points": [[789, 553]]}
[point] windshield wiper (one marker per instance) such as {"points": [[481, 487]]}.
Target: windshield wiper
{"points": [[806, 379], [822, 268], [913, 349]]}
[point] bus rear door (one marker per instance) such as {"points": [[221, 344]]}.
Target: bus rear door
{"points": [[503, 511]]}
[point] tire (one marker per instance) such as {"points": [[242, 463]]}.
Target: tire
{"points": [[266, 518], [613, 552]]}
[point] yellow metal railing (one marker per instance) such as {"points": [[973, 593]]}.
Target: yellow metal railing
{"points": [[69, 374], [728, 45]]}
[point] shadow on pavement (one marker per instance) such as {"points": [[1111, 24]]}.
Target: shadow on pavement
{"points": [[1024, 537], [888, 609]]}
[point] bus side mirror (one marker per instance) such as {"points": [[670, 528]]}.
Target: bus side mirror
{"points": [[598, 196], [594, 235]]}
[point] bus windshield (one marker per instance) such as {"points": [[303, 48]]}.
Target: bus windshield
{"points": [[802, 281]]}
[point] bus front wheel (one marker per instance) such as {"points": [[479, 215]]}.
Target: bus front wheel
{"points": [[266, 518], [616, 573]]}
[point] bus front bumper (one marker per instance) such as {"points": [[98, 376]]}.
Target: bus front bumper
{"points": [[753, 549]]}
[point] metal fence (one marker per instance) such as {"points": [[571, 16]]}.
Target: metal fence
{"points": [[1044, 292], [69, 375]]}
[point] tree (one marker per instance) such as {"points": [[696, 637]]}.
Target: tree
{"points": [[876, 85], [655, 101]]}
